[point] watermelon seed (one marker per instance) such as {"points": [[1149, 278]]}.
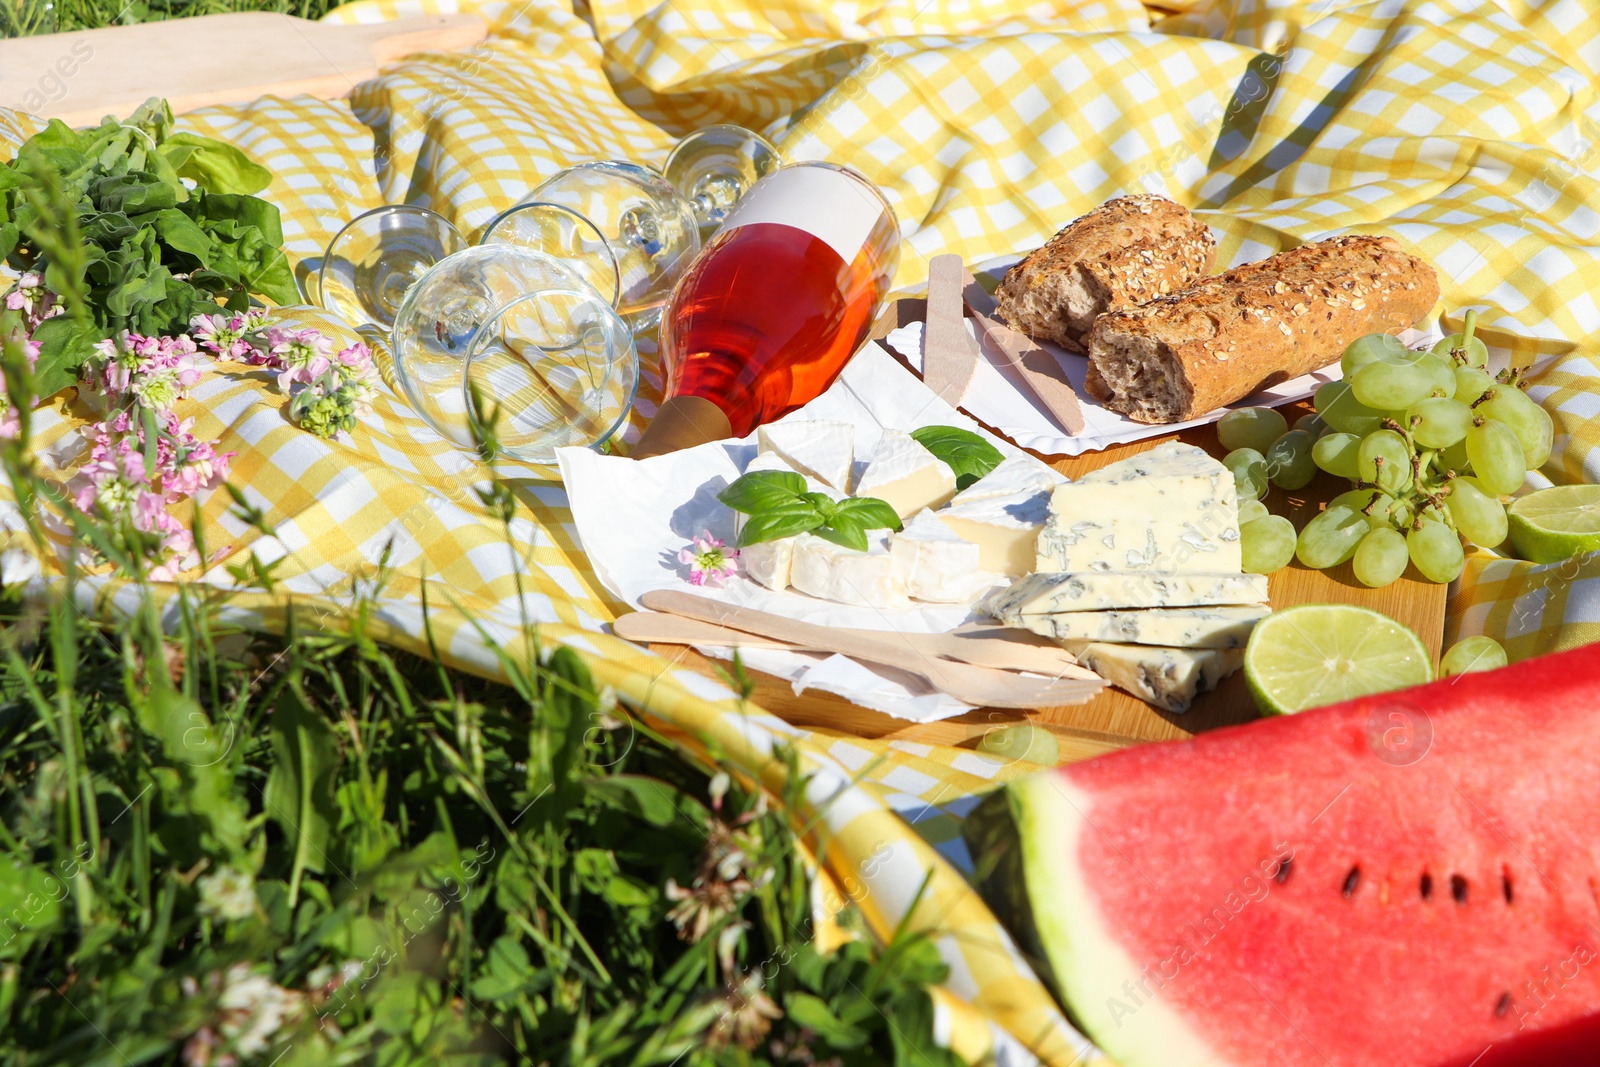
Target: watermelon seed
{"points": [[1505, 884], [1350, 881], [1458, 888], [1283, 871], [1502, 1005], [1427, 885]]}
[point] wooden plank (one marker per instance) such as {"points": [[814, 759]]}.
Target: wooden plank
{"points": [[1114, 719], [80, 77]]}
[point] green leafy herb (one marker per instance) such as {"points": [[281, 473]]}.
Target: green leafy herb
{"points": [[157, 251], [967, 454], [780, 506]]}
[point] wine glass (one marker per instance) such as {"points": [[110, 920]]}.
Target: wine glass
{"points": [[630, 212], [371, 263], [713, 167], [523, 334]]}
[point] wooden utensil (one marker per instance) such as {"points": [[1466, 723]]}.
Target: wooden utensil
{"points": [[980, 686], [981, 648], [1038, 369], [949, 355], [82, 76]]}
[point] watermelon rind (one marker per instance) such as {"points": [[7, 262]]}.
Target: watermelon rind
{"points": [[1024, 838]]}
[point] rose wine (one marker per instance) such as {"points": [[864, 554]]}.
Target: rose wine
{"points": [[781, 297]]}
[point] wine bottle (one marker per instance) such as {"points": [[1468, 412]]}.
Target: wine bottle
{"points": [[775, 305]]}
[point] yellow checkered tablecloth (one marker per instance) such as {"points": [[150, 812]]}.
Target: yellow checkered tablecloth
{"points": [[1469, 129]]}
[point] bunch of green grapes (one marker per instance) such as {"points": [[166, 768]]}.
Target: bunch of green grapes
{"points": [[1430, 442]]}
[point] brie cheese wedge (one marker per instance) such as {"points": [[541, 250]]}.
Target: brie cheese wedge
{"points": [[820, 449], [934, 564], [906, 476], [833, 572]]}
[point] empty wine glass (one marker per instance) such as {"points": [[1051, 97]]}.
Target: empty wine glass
{"points": [[713, 167], [528, 337], [371, 263], [624, 211]]}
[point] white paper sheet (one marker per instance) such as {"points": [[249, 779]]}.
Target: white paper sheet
{"points": [[633, 516], [998, 397]]}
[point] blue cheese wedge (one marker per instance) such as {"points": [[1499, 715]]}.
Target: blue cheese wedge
{"points": [[819, 448], [1169, 678], [770, 562], [933, 563], [845, 575], [1215, 627], [906, 476], [1002, 513], [1050, 594], [1172, 509]]}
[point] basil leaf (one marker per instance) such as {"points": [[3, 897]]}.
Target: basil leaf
{"points": [[785, 522], [870, 512], [824, 504], [763, 490], [967, 454], [844, 530]]}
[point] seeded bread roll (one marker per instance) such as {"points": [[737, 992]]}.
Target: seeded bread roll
{"points": [[1180, 356], [1124, 252]]}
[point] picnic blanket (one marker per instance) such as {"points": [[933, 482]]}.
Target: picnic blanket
{"points": [[1468, 129]]}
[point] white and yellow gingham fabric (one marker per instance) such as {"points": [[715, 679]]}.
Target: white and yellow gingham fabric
{"points": [[1469, 129]]}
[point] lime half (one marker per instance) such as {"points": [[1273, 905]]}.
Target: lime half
{"points": [[1315, 654], [1554, 524]]}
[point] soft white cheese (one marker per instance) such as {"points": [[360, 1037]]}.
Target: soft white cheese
{"points": [[1005, 528], [933, 563], [833, 572], [1173, 509], [1169, 678], [770, 562], [1215, 627], [1048, 594], [822, 449], [1018, 474], [906, 476]]}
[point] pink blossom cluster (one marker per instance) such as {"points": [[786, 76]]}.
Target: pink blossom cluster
{"points": [[29, 296]]}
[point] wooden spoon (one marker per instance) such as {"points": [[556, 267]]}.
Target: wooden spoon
{"points": [[979, 686]]}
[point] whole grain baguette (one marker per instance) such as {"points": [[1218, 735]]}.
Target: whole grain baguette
{"points": [[1124, 252], [1182, 355]]}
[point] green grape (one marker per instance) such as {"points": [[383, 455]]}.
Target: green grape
{"points": [[1336, 454], [1253, 428], [1477, 514], [1312, 424], [1370, 349], [1289, 462], [1267, 544], [1540, 453], [1024, 741], [1249, 469], [1473, 654], [1519, 413], [1436, 550], [1340, 409], [1331, 538], [1496, 457], [1471, 383], [1384, 459], [1380, 557], [1455, 457], [1391, 386], [1443, 375], [1251, 510], [1438, 422], [1464, 349], [1356, 499]]}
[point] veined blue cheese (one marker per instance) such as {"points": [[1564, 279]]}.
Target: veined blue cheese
{"points": [[821, 449], [1169, 678], [1049, 594], [906, 475], [1214, 627], [933, 563], [1173, 509]]}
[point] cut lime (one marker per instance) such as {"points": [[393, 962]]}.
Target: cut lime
{"points": [[1554, 524], [1315, 654]]}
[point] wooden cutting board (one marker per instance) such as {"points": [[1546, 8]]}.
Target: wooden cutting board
{"points": [[1114, 719], [82, 76]]}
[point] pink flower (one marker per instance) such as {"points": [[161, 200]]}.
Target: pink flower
{"points": [[710, 561]]}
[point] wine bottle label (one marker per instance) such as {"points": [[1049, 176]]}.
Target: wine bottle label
{"points": [[830, 206]]}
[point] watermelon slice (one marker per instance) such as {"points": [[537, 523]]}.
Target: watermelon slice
{"points": [[1405, 880]]}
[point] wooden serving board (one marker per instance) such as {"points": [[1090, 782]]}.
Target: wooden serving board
{"points": [[82, 76], [1114, 719]]}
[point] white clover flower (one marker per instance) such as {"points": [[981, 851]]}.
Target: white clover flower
{"points": [[228, 894], [254, 1009]]}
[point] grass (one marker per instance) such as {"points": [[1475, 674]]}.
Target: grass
{"points": [[21, 18]]}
